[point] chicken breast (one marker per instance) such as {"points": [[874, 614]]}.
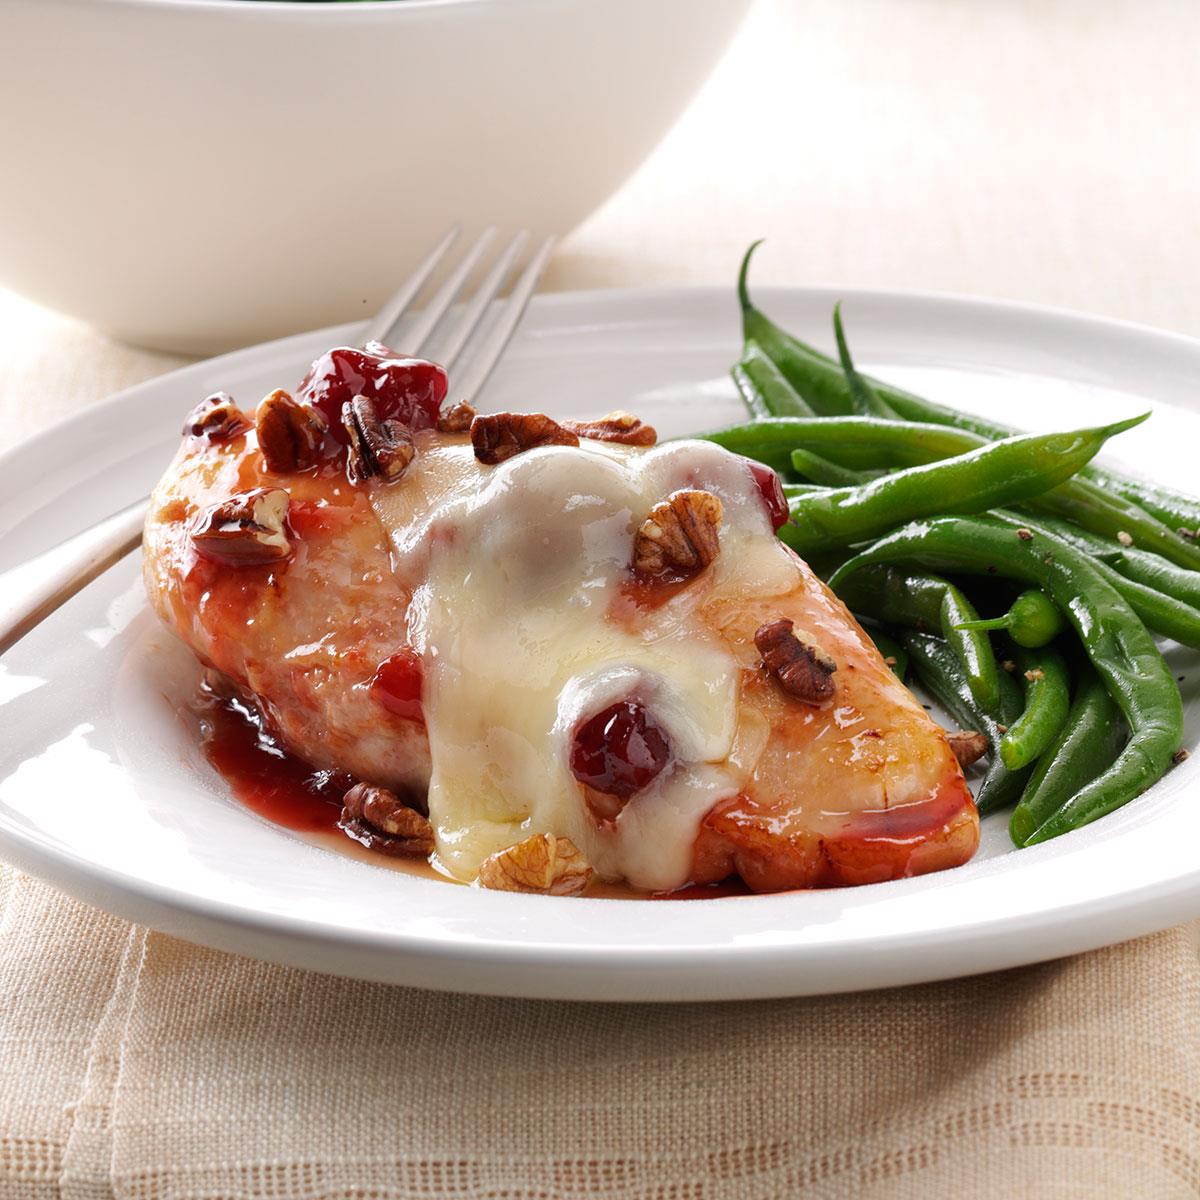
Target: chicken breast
{"points": [[529, 630]]}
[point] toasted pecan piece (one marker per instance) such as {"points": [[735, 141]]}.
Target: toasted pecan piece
{"points": [[216, 418], [380, 820], [457, 418], [289, 433], [617, 426], [681, 534], [551, 866], [803, 671], [383, 448], [500, 436], [968, 746], [247, 530]]}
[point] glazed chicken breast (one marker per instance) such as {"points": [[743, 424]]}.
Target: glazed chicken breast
{"points": [[531, 630]]}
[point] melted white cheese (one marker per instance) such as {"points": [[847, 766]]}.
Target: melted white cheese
{"points": [[514, 570]]}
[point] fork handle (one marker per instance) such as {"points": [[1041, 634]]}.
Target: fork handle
{"points": [[31, 592]]}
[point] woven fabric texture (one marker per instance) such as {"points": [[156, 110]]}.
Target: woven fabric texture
{"points": [[140, 1067]]}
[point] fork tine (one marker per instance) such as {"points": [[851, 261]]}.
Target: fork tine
{"points": [[489, 352], [484, 295], [394, 306], [77, 562], [416, 337]]}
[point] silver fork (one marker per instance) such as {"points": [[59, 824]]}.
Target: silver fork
{"points": [[31, 592]]}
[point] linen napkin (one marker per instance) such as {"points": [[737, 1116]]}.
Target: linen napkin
{"points": [[138, 1066]]}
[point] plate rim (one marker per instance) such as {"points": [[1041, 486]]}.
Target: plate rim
{"points": [[1141, 910], [572, 296]]}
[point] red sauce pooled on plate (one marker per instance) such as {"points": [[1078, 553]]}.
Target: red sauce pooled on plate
{"points": [[284, 788], [264, 776]]}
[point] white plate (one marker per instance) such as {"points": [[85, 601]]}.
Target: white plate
{"points": [[104, 792]]}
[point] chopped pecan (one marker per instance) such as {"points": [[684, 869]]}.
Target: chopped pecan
{"points": [[680, 534], [383, 448], [380, 820], [498, 436], [968, 746], [216, 418], [802, 670], [289, 433], [551, 866], [457, 418], [617, 426], [247, 530]]}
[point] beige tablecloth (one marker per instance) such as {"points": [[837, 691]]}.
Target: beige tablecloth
{"points": [[1043, 150]]}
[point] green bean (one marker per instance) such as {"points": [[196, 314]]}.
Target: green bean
{"points": [[815, 375], [1047, 687], [939, 670], [1002, 786], [910, 407], [829, 474], [1141, 566], [752, 398], [1171, 510], [1001, 473], [1176, 510], [863, 397], [765, 441], [1118, 644], [1091, 507], [893, 653], [790, 354], [1089, 741], [858, 442], [792, 490], [821, 381], [869, 442], [1163, 613], [762, 387], [933, 605], [1032, 620]]}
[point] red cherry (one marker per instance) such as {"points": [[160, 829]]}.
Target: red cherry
{"points": [[409, 390], [620, 750], [771, 489], [397, 685]]}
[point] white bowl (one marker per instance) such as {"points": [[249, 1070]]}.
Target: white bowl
{"points": [[199, 174]]}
